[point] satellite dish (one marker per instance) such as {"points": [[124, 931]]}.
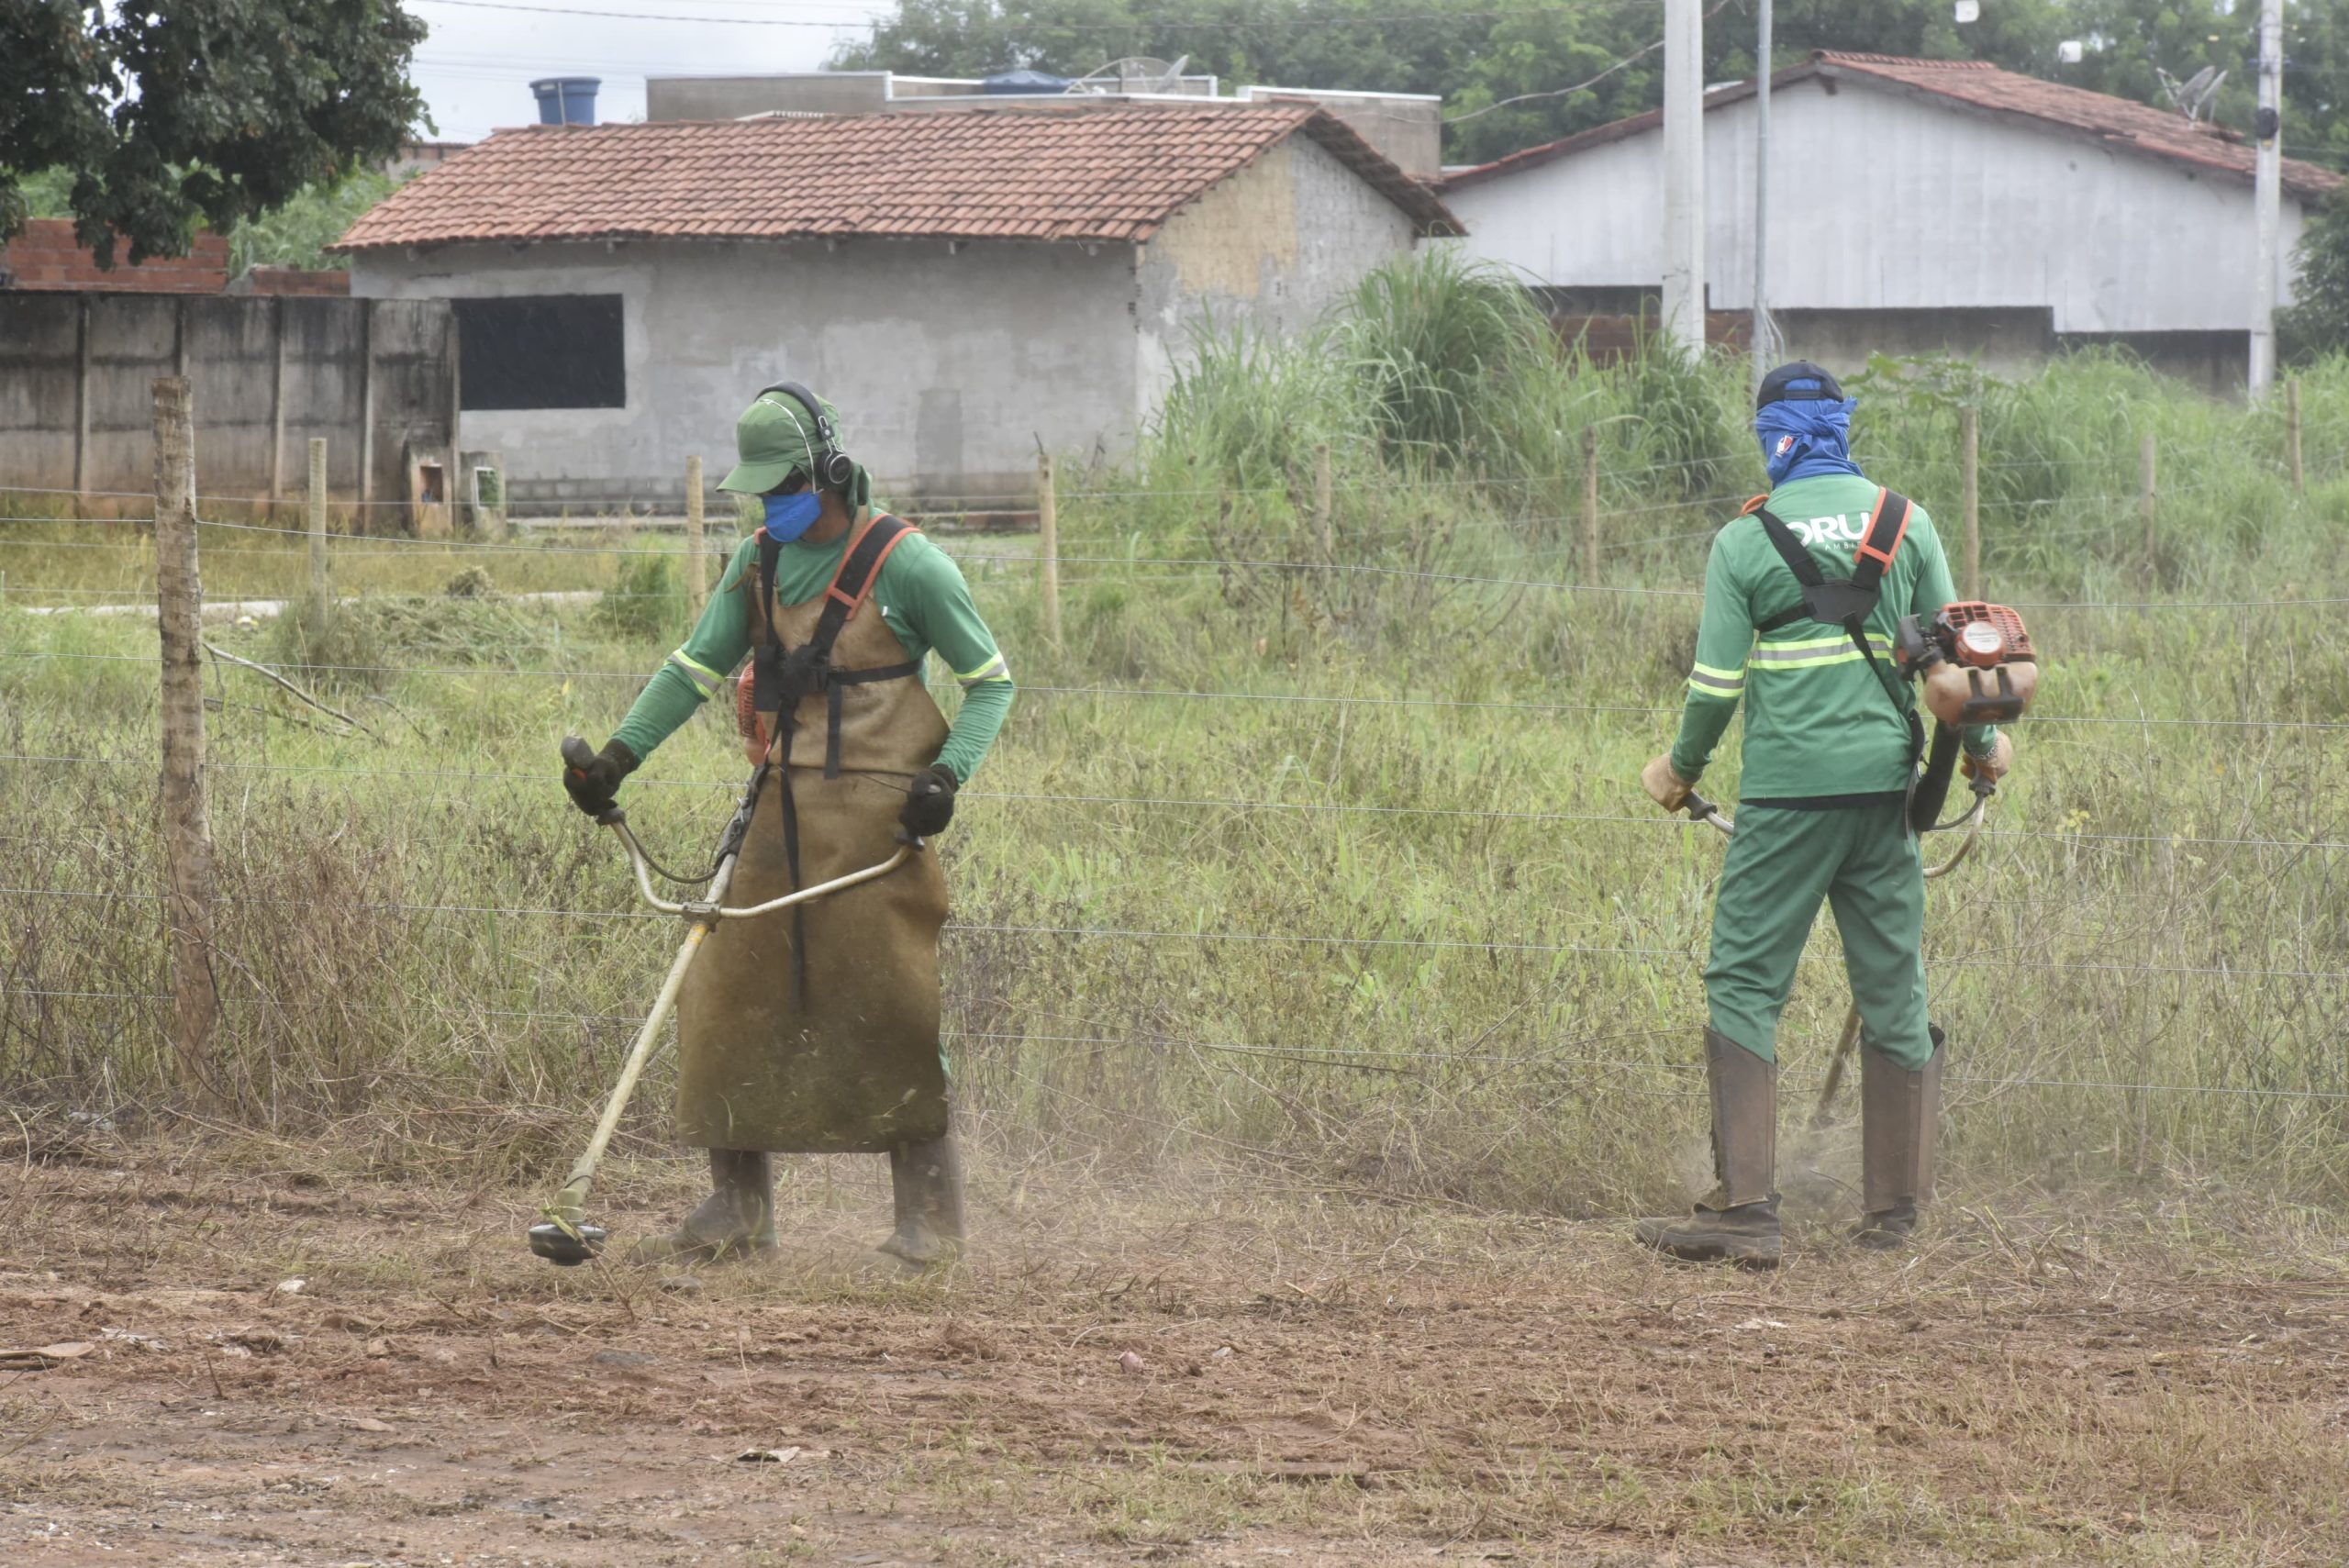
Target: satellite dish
{"points": [[2193, 95], [1134, 74]]}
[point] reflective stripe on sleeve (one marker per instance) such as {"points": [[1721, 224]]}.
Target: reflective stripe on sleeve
{"points": [[1707, 681], [705, 680], [995, 669]]}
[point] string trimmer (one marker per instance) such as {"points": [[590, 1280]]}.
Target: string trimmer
{"points": [[565, 1237]]}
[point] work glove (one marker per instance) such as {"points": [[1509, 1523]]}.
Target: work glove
{"points": [[1668, 788], [594, 787], [930, 802], [1994, 766]]}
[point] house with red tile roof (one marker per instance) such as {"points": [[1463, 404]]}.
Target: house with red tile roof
{"points": [[1916, 206], [968, 288]]}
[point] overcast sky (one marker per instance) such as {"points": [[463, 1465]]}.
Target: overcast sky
{"points": [[476, 68]]}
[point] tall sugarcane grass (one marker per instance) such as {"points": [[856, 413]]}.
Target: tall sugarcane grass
{"points": [[1425, 939]]}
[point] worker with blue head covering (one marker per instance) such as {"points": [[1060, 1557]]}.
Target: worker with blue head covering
{"points": [[1803, 593]]}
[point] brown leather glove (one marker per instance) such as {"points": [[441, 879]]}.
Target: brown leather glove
{"points": [[1666, 788], [2001, 758]]}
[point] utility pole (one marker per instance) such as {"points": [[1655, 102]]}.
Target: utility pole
{"points": [[1683, 175], [1762, 337], [2267, 195]]}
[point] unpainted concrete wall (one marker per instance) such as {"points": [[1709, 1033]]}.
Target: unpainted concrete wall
{"points": [[1408, 128], [733, 97], [1274, 246], [950, 364], [77, 375]]}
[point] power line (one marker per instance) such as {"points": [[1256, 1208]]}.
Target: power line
{"points": [[1583, 86]]}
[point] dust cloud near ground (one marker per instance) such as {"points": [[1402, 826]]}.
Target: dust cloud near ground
{"points": [[1206, 1368]]}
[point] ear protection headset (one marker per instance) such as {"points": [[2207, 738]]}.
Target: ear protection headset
{"points": [[829, 467]]}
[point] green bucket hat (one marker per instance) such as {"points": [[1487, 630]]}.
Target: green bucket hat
{"points": [[774, 439]]}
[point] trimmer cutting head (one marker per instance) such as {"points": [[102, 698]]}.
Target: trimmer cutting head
{"points": [[567, 1246]]}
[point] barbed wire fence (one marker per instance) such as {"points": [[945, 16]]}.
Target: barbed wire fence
{"points": [[2132, 954]]}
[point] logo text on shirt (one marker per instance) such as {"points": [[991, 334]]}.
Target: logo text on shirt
{"points": [[1831, 530]]}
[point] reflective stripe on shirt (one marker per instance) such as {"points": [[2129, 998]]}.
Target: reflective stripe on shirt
{"points": [[1811, 653], [995, 669], [705, 680], [1706, 681]]}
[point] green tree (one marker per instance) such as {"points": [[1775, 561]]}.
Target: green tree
{"points": [[1502, 65], [2317, 322], [297, 234], [188, 111]]}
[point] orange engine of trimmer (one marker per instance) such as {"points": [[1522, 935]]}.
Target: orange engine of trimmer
{"points": [[1974, 661]]}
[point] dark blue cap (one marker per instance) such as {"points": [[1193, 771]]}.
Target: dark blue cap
{"points": [[1798, 380]]}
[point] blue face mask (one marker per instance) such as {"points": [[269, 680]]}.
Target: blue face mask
{"points": [[788, 517]]}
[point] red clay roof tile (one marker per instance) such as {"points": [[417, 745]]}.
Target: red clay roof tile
{"points": [[1081, 174], [1981, 86]]}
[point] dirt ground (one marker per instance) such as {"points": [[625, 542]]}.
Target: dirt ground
{"points": [[1218, 1371]]}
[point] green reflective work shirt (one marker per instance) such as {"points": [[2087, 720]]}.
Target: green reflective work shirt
{"points": [[921, 594], [1819, 722]]}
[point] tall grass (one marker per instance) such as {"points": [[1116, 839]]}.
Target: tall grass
{"points": [[1392, 910]]}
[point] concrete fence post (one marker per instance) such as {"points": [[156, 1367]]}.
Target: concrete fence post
{"points": [[1969, 457], [1048, 547], [315, 499], [696, 568], [186, 827], [1590, 503]]}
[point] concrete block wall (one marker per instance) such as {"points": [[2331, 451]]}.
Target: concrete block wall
{"points": [[377, 378]]}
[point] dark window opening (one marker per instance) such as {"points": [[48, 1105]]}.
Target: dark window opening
{"points": [[557, 351]]}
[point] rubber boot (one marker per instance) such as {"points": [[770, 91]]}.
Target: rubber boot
{"points": [[1900, 1118], [926, 1179], [1737, 1222], [736, 1218]]}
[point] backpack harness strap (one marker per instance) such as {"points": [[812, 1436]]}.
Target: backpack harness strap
{"points": [[1850, 602], [783, 678]]}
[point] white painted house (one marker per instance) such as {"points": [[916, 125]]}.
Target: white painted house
{"points": [[966, 288], [1916, 206]]}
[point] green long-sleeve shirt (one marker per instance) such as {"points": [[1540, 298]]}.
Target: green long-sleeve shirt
{"points": [[1819, 722], [921, 594]]}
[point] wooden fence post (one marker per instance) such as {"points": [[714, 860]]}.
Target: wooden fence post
{"points": [[1048, 547], [1323, 521], [2292, 431], [1590, 503], [2149, 493], [186, 828], [321, 586], [1969, 433], [696, 575]]}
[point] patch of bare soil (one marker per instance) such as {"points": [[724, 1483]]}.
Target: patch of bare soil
{"points": [[1220, 1374]]}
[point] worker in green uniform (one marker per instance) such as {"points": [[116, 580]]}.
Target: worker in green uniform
{"points": [[1829, 757], [816, 1029]]}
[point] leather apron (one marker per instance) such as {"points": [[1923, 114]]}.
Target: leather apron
{"points": [[852, 1064]]}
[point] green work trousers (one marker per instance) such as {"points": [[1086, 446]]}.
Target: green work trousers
{"points": [[1865, 861]]}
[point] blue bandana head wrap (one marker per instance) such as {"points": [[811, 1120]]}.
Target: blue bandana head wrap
{"points": [[1805, 437]]}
